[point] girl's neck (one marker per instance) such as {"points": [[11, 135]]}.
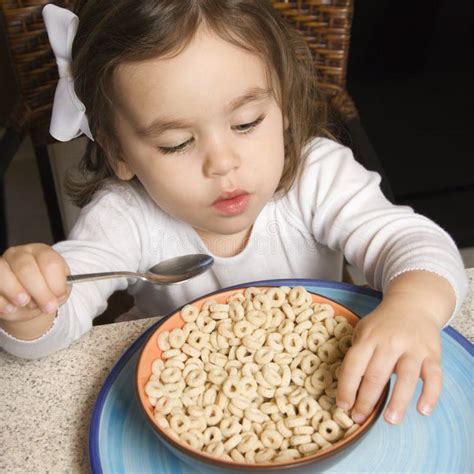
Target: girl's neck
{"points": [[225, 245]]}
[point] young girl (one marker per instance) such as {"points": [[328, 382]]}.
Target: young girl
{"points": [[207, 138]]}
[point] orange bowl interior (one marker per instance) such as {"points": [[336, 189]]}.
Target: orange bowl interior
{"points": [[151, 351]]}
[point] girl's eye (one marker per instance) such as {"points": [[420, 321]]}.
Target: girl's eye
{"points": [[248, 127], [176, 149]]}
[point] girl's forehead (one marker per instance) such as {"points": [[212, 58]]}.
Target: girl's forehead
{"points": [[208, 72]]}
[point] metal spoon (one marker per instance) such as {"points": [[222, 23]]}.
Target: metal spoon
{"points": [[174, 270]]}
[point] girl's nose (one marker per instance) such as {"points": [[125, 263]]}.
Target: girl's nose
{"points": [[220, 160]]}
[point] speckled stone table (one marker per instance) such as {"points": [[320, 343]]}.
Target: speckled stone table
{"points": [[46, 405]]}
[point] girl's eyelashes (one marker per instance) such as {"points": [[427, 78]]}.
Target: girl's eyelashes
{"points": [[176, 149], [248, 127], [241, 129]]}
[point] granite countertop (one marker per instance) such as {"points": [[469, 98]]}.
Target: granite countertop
{"points": [[46, 404]]}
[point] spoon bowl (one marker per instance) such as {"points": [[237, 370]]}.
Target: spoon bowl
{"points": [[168, 272]]}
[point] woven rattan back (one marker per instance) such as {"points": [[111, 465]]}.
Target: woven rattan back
{"points": [[325, 25]]}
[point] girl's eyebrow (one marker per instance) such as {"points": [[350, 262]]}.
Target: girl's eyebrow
{"points": [[159, 126]]}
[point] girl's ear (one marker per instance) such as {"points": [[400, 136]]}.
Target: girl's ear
{"points": [[119, 166], [122, 170]]}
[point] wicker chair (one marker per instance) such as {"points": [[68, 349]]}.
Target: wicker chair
{"points": [[36, 75], [325, 24]]}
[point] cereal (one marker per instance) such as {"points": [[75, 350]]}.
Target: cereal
{"points": [[253, 380]]}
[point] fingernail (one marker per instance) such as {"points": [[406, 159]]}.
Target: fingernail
{"points": [[393, 416], [22, 299], [343, 405], [426, 409], [9, 308], [50, 307], [358, 417]]}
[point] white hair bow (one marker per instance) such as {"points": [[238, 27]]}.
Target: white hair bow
{"points": [[69, 118]]}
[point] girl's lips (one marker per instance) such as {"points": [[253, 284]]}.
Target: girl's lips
{"points": [[234, 204]]}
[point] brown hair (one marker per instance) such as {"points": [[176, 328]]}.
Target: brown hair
{"points": [[111, 32]]}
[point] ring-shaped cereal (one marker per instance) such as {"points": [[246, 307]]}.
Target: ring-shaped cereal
{"points": [[286, 327], [345, 343], [308, 407], [244, 355], [297, 296], [224, 328], [189, 313], [236, 297], [330, 430], [271, 438], [230, 426], [251, 292], [304, 315], [232, 387], [274, 341], [323, 311], [315, 340], [262, 302], [329, 353], [162, 341], [171, 375], [192, 439], [264, 355], [283, 358], [321, 378], [302, 327], [274, 318], [292, 342], [288, 311], [256, 317], [198, 340], [276, 296], [213, 414], [179, 422], [215, 448], [196, 378], [232, 442], [157, 366], [297, 440], [251, 343], [236, 311], [247, 442], [342, 418], [243, 328], [310, 363]]}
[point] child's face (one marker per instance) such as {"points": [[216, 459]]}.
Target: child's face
{"points": [[198, 129]]}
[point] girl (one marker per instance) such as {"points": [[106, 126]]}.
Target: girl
{"points": [[207, 138]]}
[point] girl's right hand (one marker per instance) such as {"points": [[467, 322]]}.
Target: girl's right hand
{"points": [[32, 283]]}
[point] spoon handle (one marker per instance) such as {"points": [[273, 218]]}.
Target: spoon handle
{"points": [[101, 276]]}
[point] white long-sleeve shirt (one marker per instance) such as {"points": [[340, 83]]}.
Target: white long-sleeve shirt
{"points": [[335, 209]]}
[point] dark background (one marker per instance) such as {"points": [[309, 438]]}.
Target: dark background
{"points": [[411, 75]]}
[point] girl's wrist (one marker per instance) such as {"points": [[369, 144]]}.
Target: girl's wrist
{"points": [[421, 292], [28, 330]]}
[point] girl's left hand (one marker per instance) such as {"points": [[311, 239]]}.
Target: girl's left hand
{"points": [[393, 338]]}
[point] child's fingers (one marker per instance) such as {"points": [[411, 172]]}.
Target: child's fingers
{"points": [[375, 378], [29, 275], [11, 288], [432, 376], [6, 308], [54, 270], [352, 369], [408, 372]]}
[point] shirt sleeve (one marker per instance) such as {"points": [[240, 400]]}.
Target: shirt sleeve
{"points": [[341, 202], [106, 237]]}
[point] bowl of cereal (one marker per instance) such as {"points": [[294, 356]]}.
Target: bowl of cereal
{"points": [[246, 379]]}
